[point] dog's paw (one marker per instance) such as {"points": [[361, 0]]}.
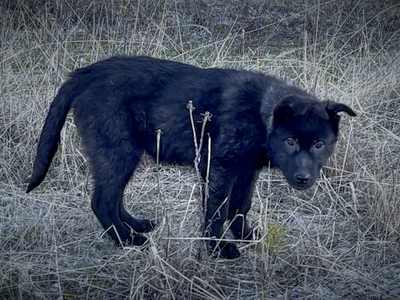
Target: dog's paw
{"points": [[138, 240], [224, 250], [139, 225], [134, 239], [145, 226], [127, 236]]}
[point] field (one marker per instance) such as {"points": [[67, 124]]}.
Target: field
{"points": [[338, 240]]}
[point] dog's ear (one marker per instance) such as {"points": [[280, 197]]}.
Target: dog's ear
{"points": [[288, 107], [333, 108]]}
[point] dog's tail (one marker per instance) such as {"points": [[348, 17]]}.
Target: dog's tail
{"points": [[50, 137]]}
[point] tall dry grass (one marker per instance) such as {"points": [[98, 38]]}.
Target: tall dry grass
{"points": [[338, 240]]}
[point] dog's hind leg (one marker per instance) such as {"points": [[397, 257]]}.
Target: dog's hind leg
{"points": [[112, 169]]}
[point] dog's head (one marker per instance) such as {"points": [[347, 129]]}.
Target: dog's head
{"points": [[302, 136]]}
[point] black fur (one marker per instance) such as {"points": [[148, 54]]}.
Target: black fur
{"points": [[120, 102]]}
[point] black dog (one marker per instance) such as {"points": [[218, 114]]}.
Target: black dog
{"points": [[120, 103]]}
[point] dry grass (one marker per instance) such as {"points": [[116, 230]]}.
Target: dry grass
{"points": [[338, 240]]}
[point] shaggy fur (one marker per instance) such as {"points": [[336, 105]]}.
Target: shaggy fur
{"points": [[120, 102]]}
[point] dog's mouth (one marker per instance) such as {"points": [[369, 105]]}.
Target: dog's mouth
{"points": [[300, 184], [301, 187]]}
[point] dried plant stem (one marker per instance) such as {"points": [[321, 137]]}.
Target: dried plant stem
{"points": [[160, 197]]}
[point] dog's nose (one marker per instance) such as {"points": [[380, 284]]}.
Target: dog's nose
{"points": [[302, 178]]}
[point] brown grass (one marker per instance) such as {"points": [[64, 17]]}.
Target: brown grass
{"points": [[338, 240]]}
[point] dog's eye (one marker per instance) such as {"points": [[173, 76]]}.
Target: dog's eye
{"points": [[290, 142], [319, 145]]}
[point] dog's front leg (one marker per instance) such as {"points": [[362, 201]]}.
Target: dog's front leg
{"points": [[217, 210]]}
